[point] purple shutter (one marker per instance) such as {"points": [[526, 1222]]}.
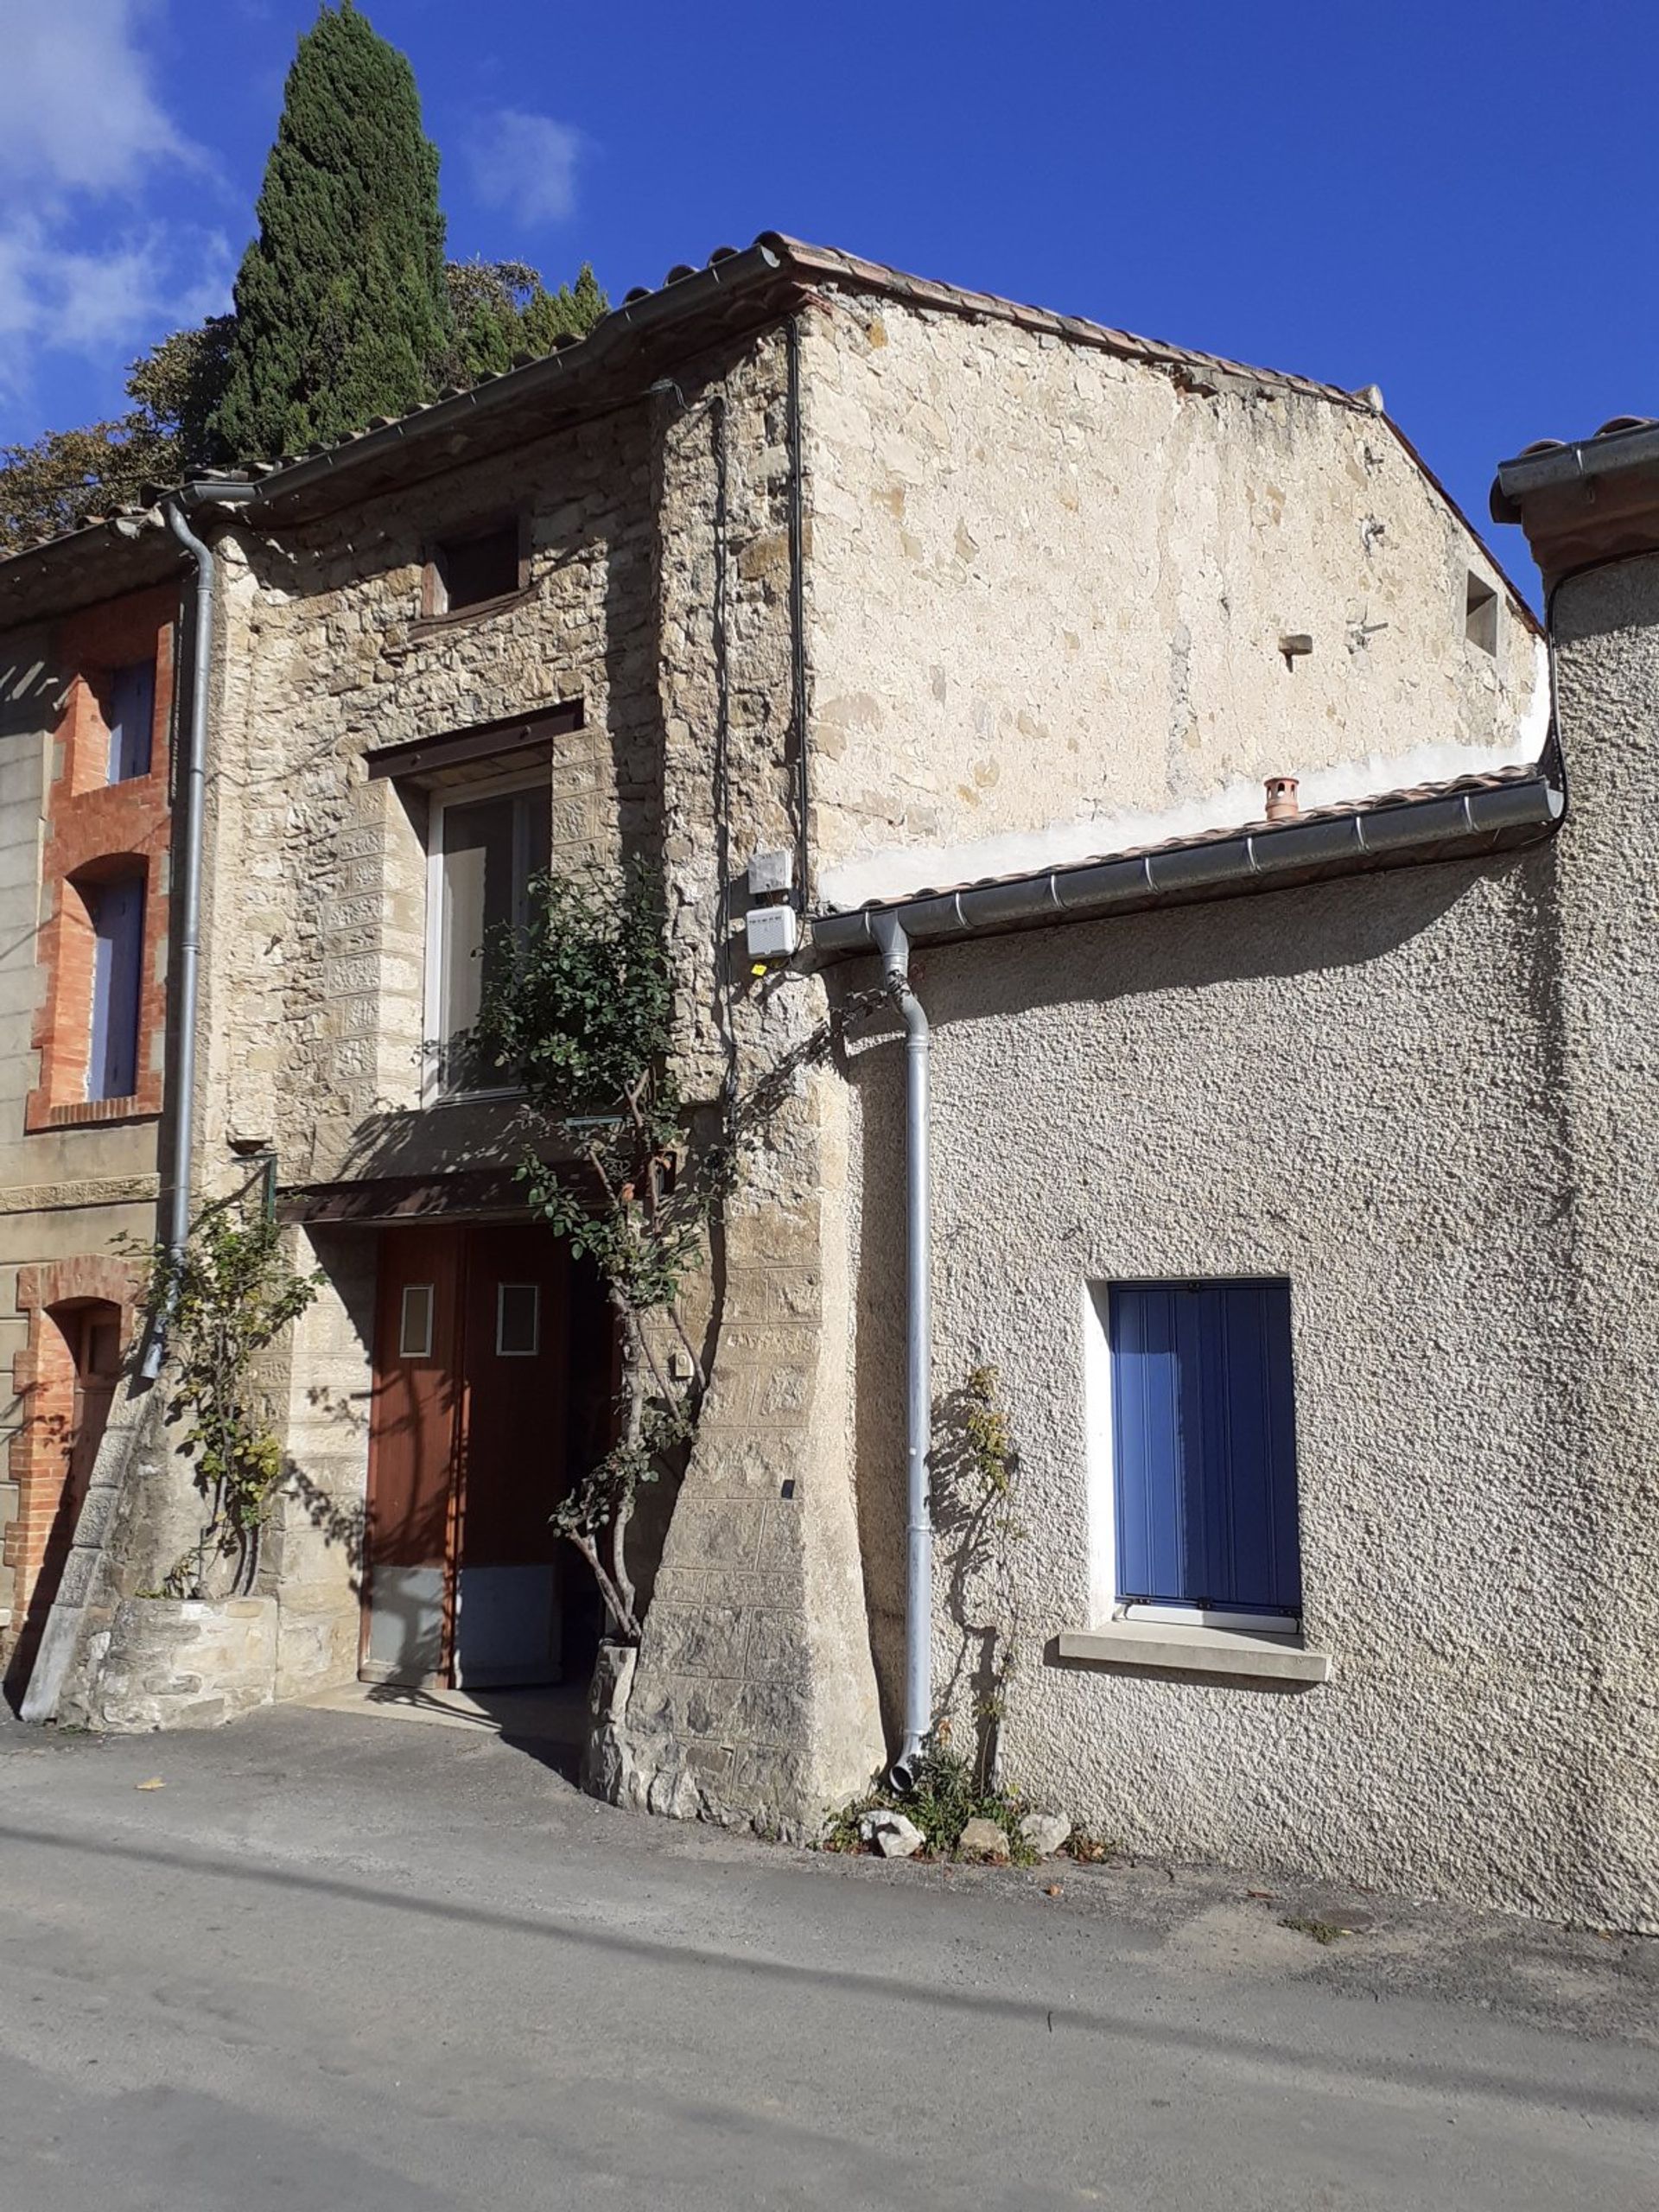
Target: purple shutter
{"points": [[132, 719], [1204, 1445], [117, 911]]}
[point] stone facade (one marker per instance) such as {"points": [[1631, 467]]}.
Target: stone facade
{"points": [[657, 598], [920, 588]]}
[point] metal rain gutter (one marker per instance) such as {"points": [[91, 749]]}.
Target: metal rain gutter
{"points": [[1579, 463], [1335, 844]]}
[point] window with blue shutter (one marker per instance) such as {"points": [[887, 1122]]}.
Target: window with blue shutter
{"points": [[1204, 1445], [131, 719], [118, 917]]}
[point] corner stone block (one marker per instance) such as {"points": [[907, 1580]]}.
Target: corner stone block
{"points": [[767, 1776], [777, 1651], [770, 1713], [681, 1707], [713, 1534], [707, 1640]]}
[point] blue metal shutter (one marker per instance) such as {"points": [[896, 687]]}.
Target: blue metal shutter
{"points": [[132, 717], [1203, 1445], [118, 930]]}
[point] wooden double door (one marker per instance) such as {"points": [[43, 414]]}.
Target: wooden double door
{"points": [[468, 1456]]}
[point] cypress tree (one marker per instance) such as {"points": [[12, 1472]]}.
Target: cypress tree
{"points": [[502, 311], [569, 312], [341, 308]]}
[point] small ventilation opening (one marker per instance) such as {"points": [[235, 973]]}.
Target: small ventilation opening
{"points": [[1480, 615]]}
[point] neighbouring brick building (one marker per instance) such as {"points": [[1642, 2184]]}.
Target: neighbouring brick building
{"points": [[967, 621], [87, 729]]}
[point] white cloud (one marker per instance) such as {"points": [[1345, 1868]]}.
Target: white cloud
{"points": [[526, 164], [77, 111], [82, 127], [111, 301]]}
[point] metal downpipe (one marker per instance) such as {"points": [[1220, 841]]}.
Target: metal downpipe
{"points": [[191, 793], [918, 1355]]}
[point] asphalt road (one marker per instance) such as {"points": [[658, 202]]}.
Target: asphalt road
{"points": [[359, 1963]]}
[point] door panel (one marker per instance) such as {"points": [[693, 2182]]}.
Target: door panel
{"points": [[406, 1624], [506, 1626], [514, 1467], [412, 1439]]}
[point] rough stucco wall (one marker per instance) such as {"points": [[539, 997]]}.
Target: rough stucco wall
{"points": [[1363, 1087], [1607, 637], [1049, 583]]}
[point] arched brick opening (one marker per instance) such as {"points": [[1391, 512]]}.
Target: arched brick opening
{"points": [[79, 1323], [64, 1022]]}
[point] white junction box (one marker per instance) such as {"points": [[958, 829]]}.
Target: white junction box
{"points": [[771, 872], [772, 932]]}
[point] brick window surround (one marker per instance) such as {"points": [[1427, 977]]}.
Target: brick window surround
{"points": [[43, 1379], [97, 831]]}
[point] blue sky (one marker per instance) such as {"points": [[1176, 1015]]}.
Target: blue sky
{"points": [[1456, 201]]}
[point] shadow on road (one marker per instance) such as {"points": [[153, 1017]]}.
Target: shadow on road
{"points": [[1579, 2097]]}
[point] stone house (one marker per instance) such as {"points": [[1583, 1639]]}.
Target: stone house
{"points": [[905, 630]]}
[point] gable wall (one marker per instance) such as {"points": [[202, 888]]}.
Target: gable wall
{"points": [[1049, 583]]}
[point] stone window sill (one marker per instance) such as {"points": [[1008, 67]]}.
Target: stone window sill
{"points": [[480, 610], [1230, 1653]]}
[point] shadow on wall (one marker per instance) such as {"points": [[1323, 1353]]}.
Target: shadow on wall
{"points": [[77, 1368], [324, 1489], [994, 980], [33, 691], [1274, 934], [344, 1525], [875, 1067], [491, 1134]]}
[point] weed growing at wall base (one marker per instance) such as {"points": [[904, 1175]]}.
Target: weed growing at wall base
{"points": [[945, 1793]]}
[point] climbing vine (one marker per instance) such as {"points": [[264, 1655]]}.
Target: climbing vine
{"points": [[975, 1479], [579, 1007], [222, 1302]]}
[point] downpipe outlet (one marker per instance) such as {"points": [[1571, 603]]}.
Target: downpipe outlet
{"points": [[894, 947]]}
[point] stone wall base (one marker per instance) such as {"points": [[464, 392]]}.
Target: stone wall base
{"points": [[182, 1662], [642, 1770], [316, 1648]]}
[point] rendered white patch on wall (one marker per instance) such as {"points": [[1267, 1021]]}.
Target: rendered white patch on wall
{"points": [[902, 872]]}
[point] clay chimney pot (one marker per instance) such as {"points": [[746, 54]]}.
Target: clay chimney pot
{"points": [[1281, 798]]}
